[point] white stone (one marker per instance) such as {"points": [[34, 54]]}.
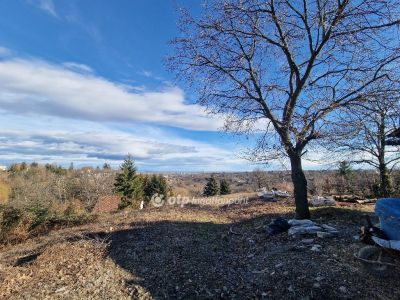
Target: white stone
{"points": [[294, 222], [294, 230], [324, 234], [316, 248], [307, 241], [329, 228], [62, 289]]}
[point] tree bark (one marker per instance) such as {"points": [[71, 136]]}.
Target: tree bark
{"points": [[383, 171], [384, 179], [300, 187]]}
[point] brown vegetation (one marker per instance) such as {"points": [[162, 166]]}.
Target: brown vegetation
{"points": [[189, 252]]}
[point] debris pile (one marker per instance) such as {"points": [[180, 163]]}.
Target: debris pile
{"points": [[277, 226], [342, 200], [322, 201], [273, 194], [300, 227]]}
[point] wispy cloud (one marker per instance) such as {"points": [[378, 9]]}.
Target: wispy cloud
{"points": [[37, 87], [5, 52], [78, 67], [47, 6]]}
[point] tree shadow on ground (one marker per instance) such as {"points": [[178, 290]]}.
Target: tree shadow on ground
{"points": [[173, 259]]}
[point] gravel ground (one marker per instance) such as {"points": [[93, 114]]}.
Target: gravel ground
{"points": [[194, 252]]}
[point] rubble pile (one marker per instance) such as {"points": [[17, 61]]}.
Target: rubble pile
{"points": [[322, 201], [302, 227]]}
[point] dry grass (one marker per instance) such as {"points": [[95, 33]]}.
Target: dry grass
{"points": [[4, 192], [77, 270], [189, 252]]}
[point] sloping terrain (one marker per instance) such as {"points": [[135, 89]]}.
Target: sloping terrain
{"points": [[193, 252]]}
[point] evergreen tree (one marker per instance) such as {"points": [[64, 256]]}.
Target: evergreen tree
{"points": [[53, 168], [127, 183], [211, 188], [106, 166], [71, 166], [224, 187], [155, 185], [345, 168]]}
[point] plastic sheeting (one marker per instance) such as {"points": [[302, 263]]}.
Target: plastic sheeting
{"points": [[388, 211]]}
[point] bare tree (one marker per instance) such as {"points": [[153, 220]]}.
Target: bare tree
{"points": [[282, 69], [369, 124], [260, 178]]}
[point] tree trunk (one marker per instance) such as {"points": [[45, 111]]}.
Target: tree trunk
{"points": [[300, 187], [383, 171], [384, 180]]}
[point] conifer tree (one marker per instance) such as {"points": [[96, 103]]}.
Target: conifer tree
{"points": [[211, 188], [127, 183], [155, 185], [224, 187]]}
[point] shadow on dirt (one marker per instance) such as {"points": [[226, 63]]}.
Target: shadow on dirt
{"points": [[207, 260]]}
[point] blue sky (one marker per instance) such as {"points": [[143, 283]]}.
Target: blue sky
{"points": [[84, 81]]}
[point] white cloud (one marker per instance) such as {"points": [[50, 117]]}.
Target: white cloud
{"points": [[37, 87], [55, 140]]}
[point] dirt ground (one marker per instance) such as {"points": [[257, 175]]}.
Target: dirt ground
{"points": [[202, 252]]}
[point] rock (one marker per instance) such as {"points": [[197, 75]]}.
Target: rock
{"points": [[324, 234], [343, 289], [62, 289], [307, 241], [328, 228], [279, 265], [319, 278], [296, 230], [322, 201], [294, 222], [316, 285], [316, 248]]}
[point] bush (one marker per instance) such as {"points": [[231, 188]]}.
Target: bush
{"points": [[4, 192], [74, 207], [19, 224], [14, 224]]}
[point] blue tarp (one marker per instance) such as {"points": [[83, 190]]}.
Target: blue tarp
{"points": [[388, 211]]}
